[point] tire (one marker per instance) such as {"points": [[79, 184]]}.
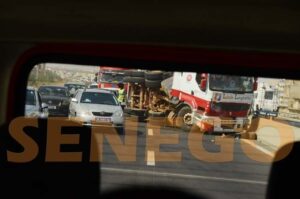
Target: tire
{"points": [[135, 73], [128, 73], [154, 75], [166, 75], [139, 80], [152, 83], [182, 116]]}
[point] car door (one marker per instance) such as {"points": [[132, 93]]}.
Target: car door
{"points": [[74, 105]]}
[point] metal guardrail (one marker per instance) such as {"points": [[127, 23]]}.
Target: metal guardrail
{"points": [[289, 115]]}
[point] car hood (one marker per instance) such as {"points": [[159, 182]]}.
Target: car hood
{"points": [[52, 97], [99, 108]]}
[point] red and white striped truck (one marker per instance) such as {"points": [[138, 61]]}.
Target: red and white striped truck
{"points": [[214, 103]]}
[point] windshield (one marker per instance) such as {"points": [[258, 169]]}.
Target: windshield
{"points": [[166, 131], [98, 98], [53, 91], [231, 83], [112, 77], [269, 95], [30, 97]]}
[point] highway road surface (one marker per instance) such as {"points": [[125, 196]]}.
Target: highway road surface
{"points": [[200, 165]]}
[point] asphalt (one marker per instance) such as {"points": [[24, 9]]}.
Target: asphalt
{"points": [[276, 132], [241, 177]]}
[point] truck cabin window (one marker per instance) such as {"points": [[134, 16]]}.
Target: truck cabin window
{"points": [[231, 83], [213, 134]]}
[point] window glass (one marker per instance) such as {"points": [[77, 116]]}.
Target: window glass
{"points": [[269, 95], [162, 127], [56, 91], [30, 97], [231, 83], [98, 98]]}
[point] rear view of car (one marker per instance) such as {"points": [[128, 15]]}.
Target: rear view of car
{"points": [[96, 106], [57, 99]]}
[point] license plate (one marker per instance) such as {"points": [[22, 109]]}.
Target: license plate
{"points": [[51, 107], [102, 119]]}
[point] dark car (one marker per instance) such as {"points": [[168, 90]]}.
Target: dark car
{"points": [[57, 98]]}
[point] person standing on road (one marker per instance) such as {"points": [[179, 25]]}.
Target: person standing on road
{"points": [[121, 93]]}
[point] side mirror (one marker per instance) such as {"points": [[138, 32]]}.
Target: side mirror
{"points": [[44, 107], [203, 84], [74, 100]]}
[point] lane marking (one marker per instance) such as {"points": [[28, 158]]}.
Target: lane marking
{"points": [[150, 132], [150, 153], [178, 175], [150, 158], [265, 151]]}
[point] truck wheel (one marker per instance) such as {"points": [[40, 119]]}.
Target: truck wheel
{"points": [[184, 118], [154, 75], [166, 75], [152, 83], [127, 73], [139, 80], [135, 73]]}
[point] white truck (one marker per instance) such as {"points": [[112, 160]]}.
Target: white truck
{"points": [[266, 99], [214, 103]]}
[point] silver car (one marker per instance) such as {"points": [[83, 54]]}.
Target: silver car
{"points": [[34, 106], [96, 106]]}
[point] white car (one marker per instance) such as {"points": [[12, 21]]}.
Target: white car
{"points": [[34, 106], [96, 106]]}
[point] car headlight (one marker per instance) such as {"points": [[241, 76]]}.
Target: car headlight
{"points": [[118, 113]]}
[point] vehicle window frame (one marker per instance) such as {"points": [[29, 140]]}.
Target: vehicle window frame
{"points": [[39, 99], [78, 95]]}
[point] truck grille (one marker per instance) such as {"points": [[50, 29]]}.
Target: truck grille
{"points": [[53, 102], [105, 114], [229, 107]]}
